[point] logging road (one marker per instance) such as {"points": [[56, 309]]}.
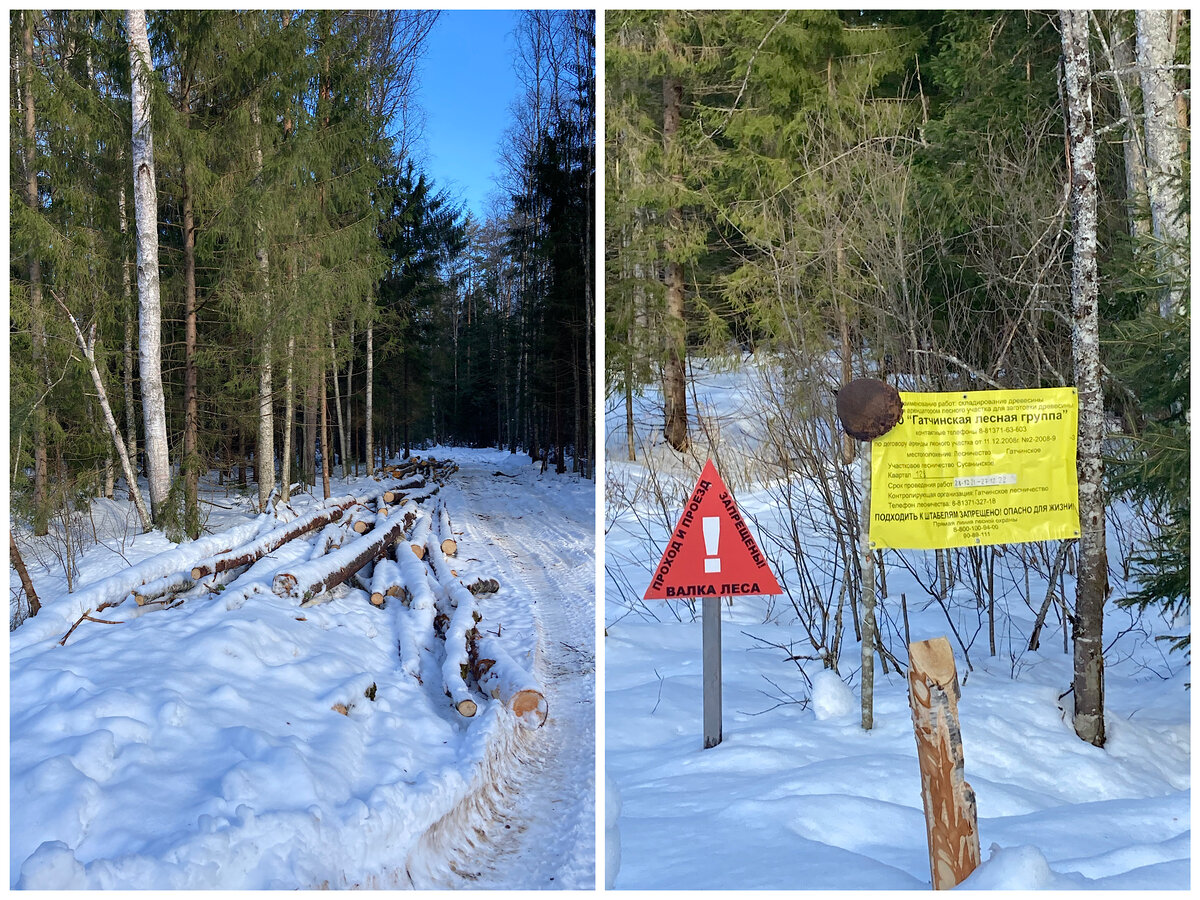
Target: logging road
{"points": [[539, 541]]}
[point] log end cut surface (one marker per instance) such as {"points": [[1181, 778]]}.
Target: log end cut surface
{"points": [[529, 706]]}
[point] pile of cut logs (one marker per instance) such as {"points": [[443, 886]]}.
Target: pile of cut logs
{"points": [[384, 541]]}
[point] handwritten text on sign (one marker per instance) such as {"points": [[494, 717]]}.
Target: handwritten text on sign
{"points": [[980, 467]]}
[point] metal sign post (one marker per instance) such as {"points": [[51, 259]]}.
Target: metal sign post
{"points": [[711, 554], [712, 671]]}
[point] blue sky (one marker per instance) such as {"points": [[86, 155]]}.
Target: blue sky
{"points": [[467, 88]]}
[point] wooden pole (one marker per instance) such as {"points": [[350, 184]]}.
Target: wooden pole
{"points": [[712, 671], [866, 561], [950, 816]]}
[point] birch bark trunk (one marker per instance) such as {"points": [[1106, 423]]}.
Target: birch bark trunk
{"points": [[1092, 575], [88, 348], [145, 199], [265, 454], [127, 288], [1164, 153]]}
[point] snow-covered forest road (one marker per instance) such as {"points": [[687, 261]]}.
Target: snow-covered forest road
{"points": [[201, 746], [545, 834]]}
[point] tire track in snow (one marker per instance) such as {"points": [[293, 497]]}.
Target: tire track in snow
{"points": [[544, 836]]}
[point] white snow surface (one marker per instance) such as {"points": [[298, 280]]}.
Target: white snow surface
{"points": [[798, 795], [197, 747]]}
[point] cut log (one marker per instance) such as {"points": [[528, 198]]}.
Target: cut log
{"points": [[312, 578], [420, 535], [950, 816], [460, 633], [415, 623], [395, 494], [386, 583], [362, 519], [331, 537], [503, 679], [260, 547], [442, 528]]}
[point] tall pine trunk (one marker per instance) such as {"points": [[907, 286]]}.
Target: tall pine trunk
{"points": [[191, 456], [675, 428], [289, 413], [369, 413], [1092, 574], [145, 201]]}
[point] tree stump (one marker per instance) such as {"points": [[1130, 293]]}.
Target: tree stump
{"points": [[950, 817]]}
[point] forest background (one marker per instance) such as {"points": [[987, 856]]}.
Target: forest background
{"points": [[909, 195], [320, 302]]}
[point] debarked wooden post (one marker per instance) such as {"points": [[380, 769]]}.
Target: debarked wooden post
{"points": [[712, 671], [950, 816]]}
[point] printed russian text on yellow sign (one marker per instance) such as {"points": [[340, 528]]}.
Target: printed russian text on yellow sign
{"points": [[981, 467]]}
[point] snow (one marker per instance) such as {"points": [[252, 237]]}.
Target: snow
{"points": [[199, 746], [798, 795]]}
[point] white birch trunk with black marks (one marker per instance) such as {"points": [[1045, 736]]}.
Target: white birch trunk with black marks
{"points": [[1165, 146], [1092, 575], [145, 201]]}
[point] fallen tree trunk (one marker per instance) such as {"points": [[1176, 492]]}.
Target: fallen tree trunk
{"points": [[504, 679], [273, 540], [35, 605], [314, 577]]}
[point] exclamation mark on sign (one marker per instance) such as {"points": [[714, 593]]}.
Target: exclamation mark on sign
{"points": [[712, 536]]}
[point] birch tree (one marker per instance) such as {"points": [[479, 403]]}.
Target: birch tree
{"points": [[1165, 149], [1092, 576], [145, 198]]}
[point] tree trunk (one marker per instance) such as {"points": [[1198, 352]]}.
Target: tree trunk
{"points": [[289, 413], [191, 460], [951, 820], [675, 429], [35, 605], [127, 368], [368, 414], [308, 579], [1092, 577], [310, 425], [265, 454], [145, 201], [37, 315], [1121, 59], [245, 555], [337, 405], [88, 347], [1164, 154], [324, 437]]}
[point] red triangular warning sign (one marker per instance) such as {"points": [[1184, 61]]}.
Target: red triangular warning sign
{"points": [[711, 552]]}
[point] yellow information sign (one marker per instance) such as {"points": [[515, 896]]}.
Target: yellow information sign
{"points": [[981, 467]]}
